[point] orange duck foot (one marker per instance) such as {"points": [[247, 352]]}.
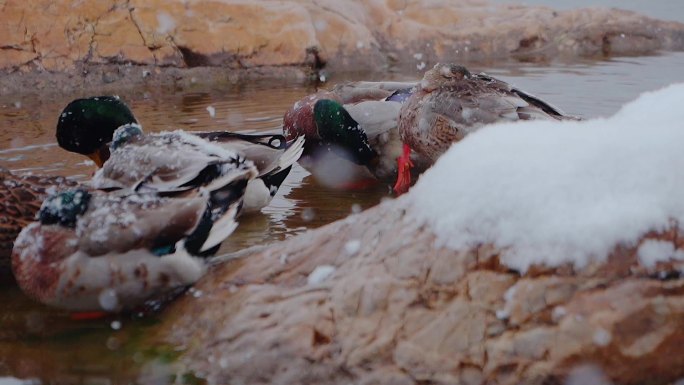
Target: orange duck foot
{"points": [[404, 165]]}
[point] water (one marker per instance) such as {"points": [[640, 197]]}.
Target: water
{"points": [[44, 345], [661, 9]]}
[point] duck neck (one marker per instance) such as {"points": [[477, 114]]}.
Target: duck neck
{"points": [[341, 133]]}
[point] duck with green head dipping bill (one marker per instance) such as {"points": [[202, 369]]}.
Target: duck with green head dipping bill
{"points": [[354, 127], [86, 126]]}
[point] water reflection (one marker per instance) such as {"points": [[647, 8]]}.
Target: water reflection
{"points": [[37, 342]]}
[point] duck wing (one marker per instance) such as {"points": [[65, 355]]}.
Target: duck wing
{"points": [[168, 162], [270, 153], [375, 117], [141, 221], [536, 108], [482, 101]]}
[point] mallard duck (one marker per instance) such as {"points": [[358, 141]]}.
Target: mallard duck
{"points": [[86, 126], [20, 199], [450, 102], [94, 251], [356, 122], [167, 163]]}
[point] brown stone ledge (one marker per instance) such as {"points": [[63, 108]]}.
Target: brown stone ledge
{"points": [[398, 310], [81, 43]]}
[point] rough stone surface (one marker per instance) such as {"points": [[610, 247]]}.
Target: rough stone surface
{"points": [[73, 36], [400, 311]]}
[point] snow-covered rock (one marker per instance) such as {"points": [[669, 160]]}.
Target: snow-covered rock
{"points": [[561, 192], [419, 302]]}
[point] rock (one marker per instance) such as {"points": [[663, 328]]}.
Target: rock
{"points": [[63, 35], [405, 312]]}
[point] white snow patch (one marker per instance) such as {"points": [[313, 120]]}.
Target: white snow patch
{"points": [[115, 325], [166, 23], [508, 304], [652, 251], [108, 300], [587, 374], [212, 111], [86, 162], [558, 313], [320, 25], [308, 214], [356, 208], [352, 247], [547, 192], [320, 274], [602, 337]]}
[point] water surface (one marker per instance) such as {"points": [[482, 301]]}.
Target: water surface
{"points": [[660, 9], [42, 345]]}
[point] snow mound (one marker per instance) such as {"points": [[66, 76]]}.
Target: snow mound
{"points": [[560, 192]]}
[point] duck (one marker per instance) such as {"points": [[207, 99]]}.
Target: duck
{"points": [[351, 132], [93, 251], [21, 196], [449, 103], [168, 163], [87, 125]]}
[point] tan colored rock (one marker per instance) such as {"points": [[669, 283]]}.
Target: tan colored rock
{"points": [[400, 311], [62, 34]]}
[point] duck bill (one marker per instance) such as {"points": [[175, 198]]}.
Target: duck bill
{"points": [[100, 156]]}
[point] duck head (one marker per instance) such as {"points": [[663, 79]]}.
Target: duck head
{"points": [[442, 75], [341, 133], [86, 126]]}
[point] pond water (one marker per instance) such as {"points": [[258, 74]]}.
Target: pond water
{"points": [[659, 9], [41, 345]]}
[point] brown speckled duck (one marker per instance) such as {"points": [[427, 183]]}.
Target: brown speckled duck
{"points": [[353, 127], [93, 251], [171, 199], [450, 102], [20, 199]]}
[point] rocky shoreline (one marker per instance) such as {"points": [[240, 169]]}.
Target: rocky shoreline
{"points": [[53, 45]]}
